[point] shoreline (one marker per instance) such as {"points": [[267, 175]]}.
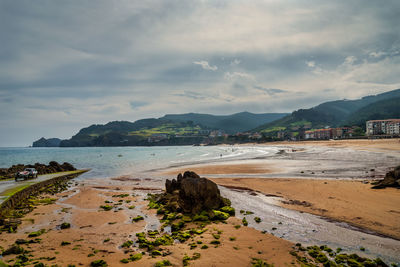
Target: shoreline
{"points": [[381, 218]]}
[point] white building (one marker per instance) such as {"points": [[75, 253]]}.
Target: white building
{"points": [[388, 127]]}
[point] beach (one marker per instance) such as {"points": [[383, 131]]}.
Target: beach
{"points": [[350, 201], [314, 193], [99, 234], [339, 199]]}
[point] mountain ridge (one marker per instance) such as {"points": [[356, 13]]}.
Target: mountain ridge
{"points": [[193, 128], [332, 113]]}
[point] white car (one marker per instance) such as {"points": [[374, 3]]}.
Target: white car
{"points": [[26, 174]]}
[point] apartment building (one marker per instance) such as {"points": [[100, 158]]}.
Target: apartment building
{"points": [[385, 127]]}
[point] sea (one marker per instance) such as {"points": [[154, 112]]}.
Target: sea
{"points": [[106, 162]]}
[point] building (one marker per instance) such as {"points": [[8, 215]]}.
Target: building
{"points": [[323, 133], [157, 137], [341, 132], [309, 135], [393, 127], [386, 127], [319, 134], [255, 136], [217, 133]]}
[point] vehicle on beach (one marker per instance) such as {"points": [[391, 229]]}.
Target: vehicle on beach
{"points": [[26, 174]]}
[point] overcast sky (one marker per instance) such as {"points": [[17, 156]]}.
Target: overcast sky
{"points": [[67, 64]]}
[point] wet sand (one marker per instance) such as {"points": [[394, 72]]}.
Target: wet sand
{"points": [[252, 168], [98, 234], [341, 200], [392, 144], [335, 190]]}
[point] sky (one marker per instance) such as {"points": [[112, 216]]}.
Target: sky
{"points": [[65, 65]]}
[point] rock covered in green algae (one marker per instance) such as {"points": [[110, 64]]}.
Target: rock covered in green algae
{"points": [[195, 193]]}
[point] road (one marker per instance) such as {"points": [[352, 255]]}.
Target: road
{"points": [[9, 187]]}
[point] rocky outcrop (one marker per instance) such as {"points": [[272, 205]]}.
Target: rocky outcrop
{"points": [[392, 179], [43, 142], [41, 168], [194, 193]]}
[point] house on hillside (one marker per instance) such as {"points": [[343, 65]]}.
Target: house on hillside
{"points": [[157, 137]]}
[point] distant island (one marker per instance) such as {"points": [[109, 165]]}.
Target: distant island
{"points": [[43, 142], [335, 119]]}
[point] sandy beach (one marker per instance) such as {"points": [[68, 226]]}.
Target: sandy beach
{"points": [[338, 198], [98, 234], [351, 201], [392, 144]]}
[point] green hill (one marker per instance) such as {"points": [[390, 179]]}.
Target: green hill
{"points": [[123, 133], [333, 113], [384, 109], [190, 128], [238, 122]]}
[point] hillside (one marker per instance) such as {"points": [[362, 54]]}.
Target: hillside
{"points": [[238, 122], [123, 133], [43, 142], [190, 128], [384, 109], [333, 113]]}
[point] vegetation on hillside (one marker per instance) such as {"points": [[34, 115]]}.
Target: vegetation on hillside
{"points": [[384, 109], [338, 113]]}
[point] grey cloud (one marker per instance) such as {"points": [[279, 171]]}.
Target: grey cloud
{"points": [[107, 60], [270, 91], [137, 104], [190, 94]]}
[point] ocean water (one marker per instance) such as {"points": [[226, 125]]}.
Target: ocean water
{"points": [[135, 161]]}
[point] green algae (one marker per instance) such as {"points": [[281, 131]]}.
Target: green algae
{"points": [[162, 263], [127, 244], [37, 233], [260, 263], [106, 207], [137, 218], [65, 225], [98, 263], [220, 215]]}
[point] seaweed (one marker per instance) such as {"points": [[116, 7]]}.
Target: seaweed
{"points": [[137, 218], [65, 225], [37, 233], [162, 263], [260, 263], [106, 207], [98, 263]]}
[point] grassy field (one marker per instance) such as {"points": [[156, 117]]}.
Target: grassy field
{"points": [[170, 129], [273, 129]]}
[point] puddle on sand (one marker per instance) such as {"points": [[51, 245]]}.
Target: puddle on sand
{"points": [[309, 229]]}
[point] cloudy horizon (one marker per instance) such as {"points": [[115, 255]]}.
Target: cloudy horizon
{"points": [[68, 64]]}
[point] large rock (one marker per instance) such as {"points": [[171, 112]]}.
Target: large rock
{"points": [[392, 179], [194, 193]]}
